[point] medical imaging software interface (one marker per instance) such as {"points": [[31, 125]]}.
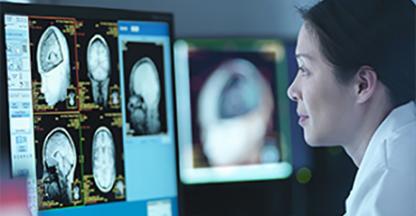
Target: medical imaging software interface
{"points": [[91, 115]]}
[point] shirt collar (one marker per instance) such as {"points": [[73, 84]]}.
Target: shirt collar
{"points": [[396, 119]]}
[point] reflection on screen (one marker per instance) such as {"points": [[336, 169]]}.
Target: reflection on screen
{"points": [[234, 126], [91, 114]]}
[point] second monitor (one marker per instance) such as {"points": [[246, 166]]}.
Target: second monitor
{"points": [[233, 108]]}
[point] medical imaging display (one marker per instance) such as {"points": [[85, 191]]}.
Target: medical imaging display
{"points": [[77, 112], [90, 104], [233, 106], [145, 100], [59, 171], [52, 53], [99, 73], [232, 102], [103, 170]]}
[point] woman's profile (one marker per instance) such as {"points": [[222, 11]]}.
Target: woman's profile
{"points": [[355, 88]]}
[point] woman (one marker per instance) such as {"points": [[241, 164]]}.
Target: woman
{"points": [[355, 87]]}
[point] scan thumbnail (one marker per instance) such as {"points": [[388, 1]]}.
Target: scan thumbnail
{"points": [[52, 44], [58, 156], [104, 179], [144, 88], [99, 73]]}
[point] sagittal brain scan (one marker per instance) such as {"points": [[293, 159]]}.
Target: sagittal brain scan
{"points": [[59, 162], [53, 65], [99, 68], [144, 97], [103, 161], [234, 107]]}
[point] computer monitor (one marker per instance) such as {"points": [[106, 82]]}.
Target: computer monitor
{"points": [[233, 110], [90, 114]]}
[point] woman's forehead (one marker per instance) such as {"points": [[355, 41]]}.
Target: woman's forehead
{"points": [[308, 46]]}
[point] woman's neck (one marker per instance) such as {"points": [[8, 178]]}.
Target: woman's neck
{"points": [[373, 115]]}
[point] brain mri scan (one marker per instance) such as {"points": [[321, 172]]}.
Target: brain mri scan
{"points": [[115, 98], [99, 68], [59, 162], [234, 107], [144, 97], [120, 188], [53, 65], [103, 159], [72, 98]]}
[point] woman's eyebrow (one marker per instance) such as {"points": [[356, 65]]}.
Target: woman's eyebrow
{"points": [[304, 55]]}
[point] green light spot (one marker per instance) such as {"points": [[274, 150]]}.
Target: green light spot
{"points": [[335, 151], [304, 175]]}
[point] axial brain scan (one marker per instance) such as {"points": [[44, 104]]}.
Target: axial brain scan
{"points": [[59, 162], [53, 65], [234, 107], [98, 61], [103, 159], [144, 97]]}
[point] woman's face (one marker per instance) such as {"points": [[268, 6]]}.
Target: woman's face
{"points": [[324, 105]]}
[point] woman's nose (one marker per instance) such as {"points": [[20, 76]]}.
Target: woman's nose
{"points": [[292, 92]]}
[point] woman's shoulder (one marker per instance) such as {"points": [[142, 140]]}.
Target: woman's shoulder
{"points": [[401, 147]]}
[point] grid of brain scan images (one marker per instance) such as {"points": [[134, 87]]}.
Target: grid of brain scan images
{"points": [[91, 113], [77, 112]]}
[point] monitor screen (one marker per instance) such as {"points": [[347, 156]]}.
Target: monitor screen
{"points": [[233, 110], [90, 109]]}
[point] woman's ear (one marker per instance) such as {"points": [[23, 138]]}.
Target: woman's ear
{"points": [[365, 83]]}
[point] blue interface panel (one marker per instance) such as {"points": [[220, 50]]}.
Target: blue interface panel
{"points": [[91, 115]]}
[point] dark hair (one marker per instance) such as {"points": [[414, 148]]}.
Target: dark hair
{"points": [[377, 33]]}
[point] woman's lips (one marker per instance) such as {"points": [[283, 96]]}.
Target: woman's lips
{"points": [[303, 119]]}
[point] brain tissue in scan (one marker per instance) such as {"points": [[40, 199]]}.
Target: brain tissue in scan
{"points": [[50, 51], [53, 65], [98, 62], [144, 97], [234, 107], [103, 159], [59, 162]]}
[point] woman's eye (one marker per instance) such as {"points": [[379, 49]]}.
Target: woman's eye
{"points": [[303, 71]]}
